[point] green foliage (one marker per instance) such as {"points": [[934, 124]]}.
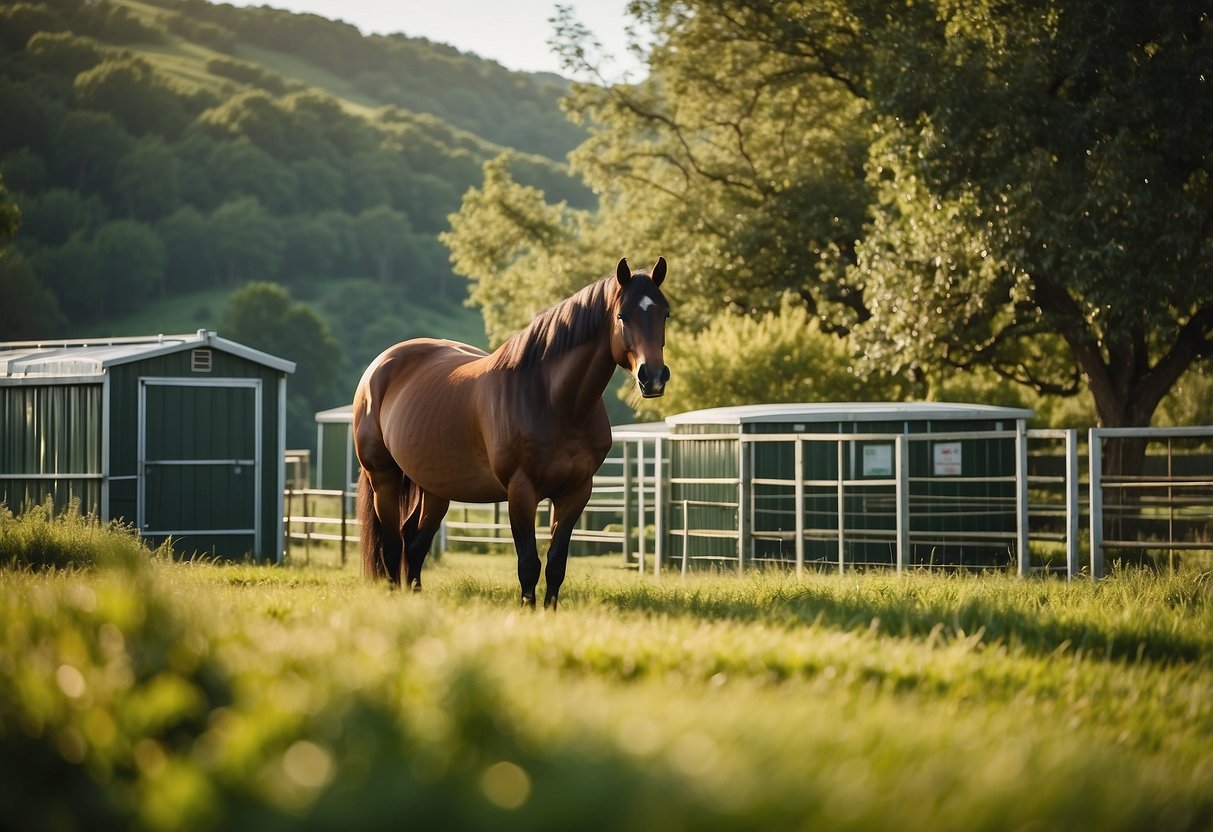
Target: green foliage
{"points": [[10, 215], [130, 264], [87, 148], [64, 53], [131, 90], [211, 697], [148, 180], [246, 73], [516, 250], [986, 187], [781, 356], [21, 21], [263, 316], [1038, 196], [114, 22], [38, 538], [271, 166], [246, 240], [29, 309], [51, 217], [385, 236]]}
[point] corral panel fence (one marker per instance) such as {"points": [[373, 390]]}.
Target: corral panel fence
{"points": [[318, 519], [859, 500], [1035, 501], [1158, 511]]}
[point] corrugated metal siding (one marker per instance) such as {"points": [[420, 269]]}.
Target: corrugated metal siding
{"points": [[50, 429], [66, 435], [939, 510], [709, 508]]}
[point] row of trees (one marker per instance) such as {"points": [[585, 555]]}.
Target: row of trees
{"points": [[1014, 199], [134, 185], [111, 267], [147, 157]]}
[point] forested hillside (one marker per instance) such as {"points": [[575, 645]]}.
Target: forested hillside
{"points": [[159, 151]]}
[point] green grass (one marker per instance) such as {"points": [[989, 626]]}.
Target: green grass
{"points": [[206, 696], [40, 538], [186, 62]]}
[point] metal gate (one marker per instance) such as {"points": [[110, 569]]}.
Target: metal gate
{"points": [[199, 456]]}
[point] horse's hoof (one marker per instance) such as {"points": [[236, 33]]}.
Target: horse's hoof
{"points": [[549, 603], [415, 586], [528, 601]]}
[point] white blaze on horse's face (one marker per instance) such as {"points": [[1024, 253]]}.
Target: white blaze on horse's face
{"points": [[646, 303]]}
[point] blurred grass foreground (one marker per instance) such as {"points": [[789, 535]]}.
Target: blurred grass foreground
{"points": [[141, 692]]}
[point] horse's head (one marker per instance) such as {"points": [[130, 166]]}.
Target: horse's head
{"points": [[638, 337]]}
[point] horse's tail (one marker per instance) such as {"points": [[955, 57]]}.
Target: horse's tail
{"points": [[370, 532]]}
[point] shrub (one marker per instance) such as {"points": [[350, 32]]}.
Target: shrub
{"points": [[41, 539]]}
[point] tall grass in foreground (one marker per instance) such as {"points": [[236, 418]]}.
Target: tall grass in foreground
{"points": [[41, 538], [210, 696]]}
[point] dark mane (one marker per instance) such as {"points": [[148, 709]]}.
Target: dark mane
{"points": [[568, 324]]}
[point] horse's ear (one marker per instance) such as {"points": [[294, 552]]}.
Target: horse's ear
{"points": [[622, 272], [658, 272]]}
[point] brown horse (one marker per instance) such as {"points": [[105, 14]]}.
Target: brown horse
{"points": [[436, 421]]}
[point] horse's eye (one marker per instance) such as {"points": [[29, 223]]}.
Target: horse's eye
{"points": [[622, 319]]}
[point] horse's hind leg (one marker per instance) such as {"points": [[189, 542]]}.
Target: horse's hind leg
{"points": [[388, 488], [419, 531]]}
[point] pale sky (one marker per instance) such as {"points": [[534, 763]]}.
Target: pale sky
{"points": [[512, 32]]}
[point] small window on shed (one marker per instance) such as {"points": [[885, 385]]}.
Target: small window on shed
{"points": [[200, 361]]}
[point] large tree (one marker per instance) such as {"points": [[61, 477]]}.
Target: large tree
{"points": [[1022, 188], [1044, 198]]}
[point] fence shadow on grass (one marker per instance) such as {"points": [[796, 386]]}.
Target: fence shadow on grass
{"points": [[1037, 617]]}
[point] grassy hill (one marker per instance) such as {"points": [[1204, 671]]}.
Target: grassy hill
{"points": [[166, 153]]}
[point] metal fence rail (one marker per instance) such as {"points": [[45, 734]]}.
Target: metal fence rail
{"points": [[309, 527], [1034, 515], [899, 512], [1165, 510]]}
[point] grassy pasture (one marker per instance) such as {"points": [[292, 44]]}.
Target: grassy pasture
{"points": [[165, 695]]}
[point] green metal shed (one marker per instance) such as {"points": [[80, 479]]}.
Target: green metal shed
{"points": [[336, 463], [848, 485], [182, 436]]}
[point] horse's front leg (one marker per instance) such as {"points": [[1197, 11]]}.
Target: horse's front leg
{"points": [[566, 510], [523, 502]]}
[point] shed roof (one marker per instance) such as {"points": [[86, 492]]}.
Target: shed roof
{"points": [[639, 430], [344, 413], [845, 412], [91, 357]]}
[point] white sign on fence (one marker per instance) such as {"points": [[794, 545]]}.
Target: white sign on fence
{"points": [[878, 460], [947, 459]]}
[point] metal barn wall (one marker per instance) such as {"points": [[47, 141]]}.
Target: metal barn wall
{"points": [[51, 444], [180, 436], [336, 463], [733, 487], [216, 432], [703, 494]]}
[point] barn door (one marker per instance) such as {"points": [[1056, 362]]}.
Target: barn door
{"points": [[199, 458]]}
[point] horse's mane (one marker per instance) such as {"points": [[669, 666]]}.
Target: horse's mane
{"points": [[568, 324]]}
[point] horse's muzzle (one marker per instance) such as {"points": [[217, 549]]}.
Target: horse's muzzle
{"points": [[652, 386]]}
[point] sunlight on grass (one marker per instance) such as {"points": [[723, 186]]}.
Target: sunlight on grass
{"points": [[212, 695]]}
